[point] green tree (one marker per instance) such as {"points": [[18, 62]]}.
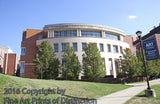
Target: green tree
{"points": [[153, 66], [53, 71], [46, 65], [93, 63], [70, 64], [130, 64]]}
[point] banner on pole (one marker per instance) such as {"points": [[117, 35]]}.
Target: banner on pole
{"points": [[150, 48]]}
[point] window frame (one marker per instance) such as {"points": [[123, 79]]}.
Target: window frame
{"points": [[56, 49], [115, 47], [96, 34], [101, 49], [75, 49], [108, 46], [23, 51], [65, 46], [83, 48]]}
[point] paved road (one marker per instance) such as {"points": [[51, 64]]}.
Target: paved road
{"points": [[121, 97]]}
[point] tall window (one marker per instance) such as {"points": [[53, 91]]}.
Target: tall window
{"points": [[23, 50], [65, 34], [83, 46], [22, 68], [64, 46], [75, 46], [24, 38], [40, 37], [110, 66], [115, 49], [111, 36], [108, 48], [90, 34], [55, 47], [101, 47]]}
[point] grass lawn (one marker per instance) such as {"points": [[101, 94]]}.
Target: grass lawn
{"points": [[142, 99], [15, 85]]}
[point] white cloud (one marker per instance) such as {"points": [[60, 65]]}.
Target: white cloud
{"points": [[132, 16]]}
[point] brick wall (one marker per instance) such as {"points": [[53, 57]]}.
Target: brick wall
{"points": [[11, 63], [31, 35], [129, 40]]}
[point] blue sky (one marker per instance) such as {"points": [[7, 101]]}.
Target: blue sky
{"points": [[126, 15]]}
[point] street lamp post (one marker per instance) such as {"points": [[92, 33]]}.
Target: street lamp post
{"points": [[144, 61]]}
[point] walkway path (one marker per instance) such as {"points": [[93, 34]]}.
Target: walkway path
{"points": [[121, 97]]}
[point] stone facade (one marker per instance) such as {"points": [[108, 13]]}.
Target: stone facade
{"points": [[31, 40]]}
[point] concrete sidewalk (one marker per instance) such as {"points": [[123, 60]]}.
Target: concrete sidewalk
{"points": [[121, 97]]}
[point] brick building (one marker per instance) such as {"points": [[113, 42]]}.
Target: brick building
{"points": [[10, 61], [153, 34], [28, 50], [110, 41], [130, 39]]}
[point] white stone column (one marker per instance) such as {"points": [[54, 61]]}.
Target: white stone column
{"points": [[121, 38], [52, 33], [119, 51], [78, 33], [111, 48], [6, 62], [114, 68], [48, 36], [103, 34]]}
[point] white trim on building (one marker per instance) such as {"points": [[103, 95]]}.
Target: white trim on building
{"points": [[99, 33]]}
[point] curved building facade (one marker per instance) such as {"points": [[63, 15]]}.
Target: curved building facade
{"points": [[110, 42]]}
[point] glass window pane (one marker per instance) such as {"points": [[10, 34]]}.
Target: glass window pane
{"points": [[83, 46], [58, 34], [101, 47], [56, 47], [22, 67], [90, 34], [24, 38], [111, 36], [23, 51], [115, 49], [40, 37], [64, 46], [75, 46], [108, 48]]}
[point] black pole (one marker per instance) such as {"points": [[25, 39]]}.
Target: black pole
{"points": [[144, 62]]}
